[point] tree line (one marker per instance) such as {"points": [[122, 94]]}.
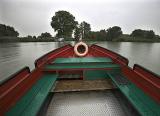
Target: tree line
{"points": [[8, 31], [65, 26]]}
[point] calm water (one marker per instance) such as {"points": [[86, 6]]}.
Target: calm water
{"points": [[14, 56]]}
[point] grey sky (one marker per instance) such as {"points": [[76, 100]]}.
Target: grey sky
{"points": [[32, 17]]}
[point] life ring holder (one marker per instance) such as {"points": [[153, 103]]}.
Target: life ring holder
{"points": [[81, 49]]}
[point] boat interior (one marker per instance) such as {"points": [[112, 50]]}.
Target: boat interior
{"points": [[62, 84]]}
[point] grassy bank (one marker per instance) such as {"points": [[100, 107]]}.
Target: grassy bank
{"points": [[122, 38], [26, 39], [127, 38]]}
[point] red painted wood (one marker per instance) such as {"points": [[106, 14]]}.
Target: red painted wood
{"points": [[15, 92], [65, 54], [15, 88], [142, 82], [148, 75], [102, 52], [53, 54], [11, 81]]}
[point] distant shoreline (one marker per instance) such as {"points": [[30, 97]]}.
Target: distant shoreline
{"points": [[120, 39]]}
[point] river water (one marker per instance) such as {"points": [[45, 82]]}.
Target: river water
{"points": [[14, 56]]}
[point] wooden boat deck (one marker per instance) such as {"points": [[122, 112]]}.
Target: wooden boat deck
{"points": [[82, 85]]}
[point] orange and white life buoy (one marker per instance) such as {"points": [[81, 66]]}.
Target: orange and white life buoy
{"points": [[81, 49]]}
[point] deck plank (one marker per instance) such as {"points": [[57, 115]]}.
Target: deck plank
{"points": [[82, 85]]}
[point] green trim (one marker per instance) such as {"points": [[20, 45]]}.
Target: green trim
{"points": [[144, 104]]}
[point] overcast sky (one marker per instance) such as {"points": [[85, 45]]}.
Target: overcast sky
{"points": [[32, 17]]}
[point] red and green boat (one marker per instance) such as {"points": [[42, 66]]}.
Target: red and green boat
{"points": [[81, 80]]}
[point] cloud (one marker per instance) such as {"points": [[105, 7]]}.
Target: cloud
{"points": [[33, 17]]}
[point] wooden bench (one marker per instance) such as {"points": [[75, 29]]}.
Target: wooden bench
{"points": [[91, 67], [80, 66], [32, 101], [144, 104], [83, 60]]}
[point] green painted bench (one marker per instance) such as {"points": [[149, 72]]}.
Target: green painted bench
{"points": [[32, 101], [80, 66], [83, 60], [95, 74], [145, 105]]}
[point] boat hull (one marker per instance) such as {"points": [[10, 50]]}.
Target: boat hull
{"points": [[14, 88]]}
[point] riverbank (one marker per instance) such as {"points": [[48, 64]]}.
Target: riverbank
{"points": [[128, 38], [26, 39], [122, 38]]}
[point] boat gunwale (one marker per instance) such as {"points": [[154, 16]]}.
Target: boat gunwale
{"points": [[146, 70], [118, 55], [14, 75], [45, 55], [123, 62]]}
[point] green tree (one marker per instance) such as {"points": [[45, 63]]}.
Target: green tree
{"points": [[150, 34], [103, 34], [7, 31], [34, 37], [2, 30], [85, 29], [77, 33], [143, 33], [64, 23], [113, 32], [97, 35], [45, 35], [137, 33], [29, 37]]}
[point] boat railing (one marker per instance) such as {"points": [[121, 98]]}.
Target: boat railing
{"points": [[148, 81], [8, 85], [14, 87], [117, 57], [148, 75], [43, 59], [21, 73], [122, 60], [143, 71]]}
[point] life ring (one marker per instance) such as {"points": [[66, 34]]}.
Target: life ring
{"points": [[81, 49]]}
